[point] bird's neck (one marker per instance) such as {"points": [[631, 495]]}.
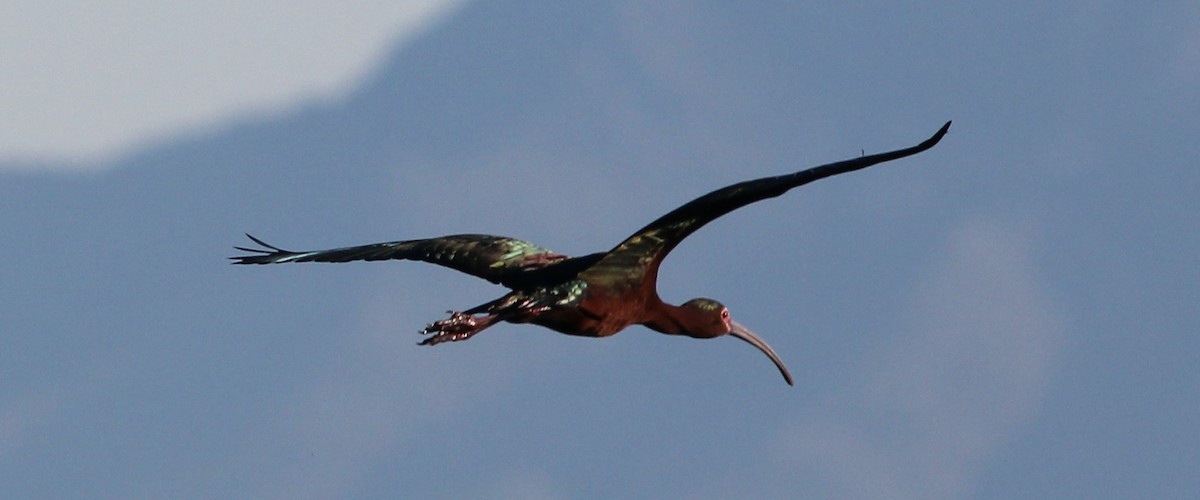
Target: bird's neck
{"points": [[667, 318]]}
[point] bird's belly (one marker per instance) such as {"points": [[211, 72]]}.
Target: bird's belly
{"points": [[573, 322], [585, 321]]}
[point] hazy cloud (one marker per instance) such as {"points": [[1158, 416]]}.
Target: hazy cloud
{"points": [[21, 415], [931, 408], [523, 483], [376, 390]]}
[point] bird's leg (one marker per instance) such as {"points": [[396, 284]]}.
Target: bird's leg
{"points": [[459, 326], [517, 307]]}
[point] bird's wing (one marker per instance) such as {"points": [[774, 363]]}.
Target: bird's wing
{"points": [[638, 257], [494, 258]]}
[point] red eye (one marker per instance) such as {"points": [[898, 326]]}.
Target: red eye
{"points": [[725, 313]]}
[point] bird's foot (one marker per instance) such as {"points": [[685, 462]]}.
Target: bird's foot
{"points": [[457, 327]]}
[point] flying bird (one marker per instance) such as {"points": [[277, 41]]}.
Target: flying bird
{"points": [[594, 295]]}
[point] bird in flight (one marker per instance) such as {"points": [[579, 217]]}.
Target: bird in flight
{"points": [[594, 295]]}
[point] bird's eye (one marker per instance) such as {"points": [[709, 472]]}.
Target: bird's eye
{"points": [[725, 313]]}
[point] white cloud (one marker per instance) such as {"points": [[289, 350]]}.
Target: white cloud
{"points": [[85, 81], [931, 408]]}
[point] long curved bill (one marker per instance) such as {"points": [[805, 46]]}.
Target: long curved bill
{"points": [[741, 332]]}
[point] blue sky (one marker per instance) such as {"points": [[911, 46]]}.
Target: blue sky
{"points": [[1011, 314]]}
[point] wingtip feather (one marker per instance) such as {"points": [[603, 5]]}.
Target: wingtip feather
{"points": [[269, 254], [937, 137]]}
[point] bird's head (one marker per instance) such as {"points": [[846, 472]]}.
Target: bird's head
{"points": [[707, 318]]}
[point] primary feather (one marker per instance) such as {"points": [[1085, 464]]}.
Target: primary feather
{"points": [[497, 259]]}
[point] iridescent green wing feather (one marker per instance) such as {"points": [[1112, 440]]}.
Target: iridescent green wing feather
{"points": [[638, 257], [494, 258]]}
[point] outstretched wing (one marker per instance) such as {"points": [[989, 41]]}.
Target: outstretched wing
{"points": [[494, 258], [638, 257]]}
